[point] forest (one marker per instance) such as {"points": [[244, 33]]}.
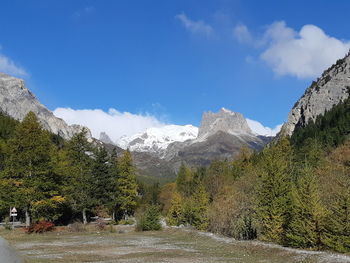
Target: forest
{"points": [[53, 180], [296, 192]]}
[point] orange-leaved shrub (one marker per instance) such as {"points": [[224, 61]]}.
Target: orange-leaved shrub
{"points": [[40, 227]]}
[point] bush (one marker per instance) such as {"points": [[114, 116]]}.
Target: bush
{"points": [[41, 227], [7, 224], [149, 220], [126, 222]]}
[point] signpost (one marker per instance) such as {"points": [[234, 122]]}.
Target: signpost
{"points": [[13, 214]]}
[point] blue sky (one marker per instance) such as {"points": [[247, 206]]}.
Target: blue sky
{"points": [[172, 60]]}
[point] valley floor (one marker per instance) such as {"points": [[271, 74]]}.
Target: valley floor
{"points": [[169, 245]]}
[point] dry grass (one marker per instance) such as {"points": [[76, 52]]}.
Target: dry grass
{"points": [[170, 245]]}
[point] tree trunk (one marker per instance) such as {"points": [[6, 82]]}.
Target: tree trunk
{"points": [[113, 215], [27, 217], [84, 216], [125, 215]]}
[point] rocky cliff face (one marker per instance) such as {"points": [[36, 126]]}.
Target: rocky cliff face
{"points": [[105, 138], [331, 88], [221, 135], [16, 101], [225, 121]]}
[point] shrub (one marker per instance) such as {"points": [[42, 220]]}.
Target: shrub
{"points": [[41, 227], [150, 219], [7, 224], [126, 222]]}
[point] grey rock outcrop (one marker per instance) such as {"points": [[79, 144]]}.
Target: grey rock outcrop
{"points": [[225, 121], [221, 135], [330, 89], [16, 101], [105, 138]]}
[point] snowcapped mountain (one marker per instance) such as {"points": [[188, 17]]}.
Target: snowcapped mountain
{"points": [[157, 140], [260, 129], [168, 141]]}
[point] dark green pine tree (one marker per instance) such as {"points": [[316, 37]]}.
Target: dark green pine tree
{"points": [[307, 225], [77, 167], [7, 126], [126, 186], [114, 175], [101, 179]]}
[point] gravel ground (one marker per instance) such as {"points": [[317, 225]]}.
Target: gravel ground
{"points": [[167, 246]]}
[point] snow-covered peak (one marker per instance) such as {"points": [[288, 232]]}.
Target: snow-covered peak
{"points": [[157, 139], [260, 129]]}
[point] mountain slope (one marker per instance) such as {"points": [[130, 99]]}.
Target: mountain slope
{"points": [[330, 89], [16, 101]]}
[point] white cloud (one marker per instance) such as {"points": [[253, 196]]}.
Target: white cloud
{"points": [[260, 129], [199, 27], [242, 34], [8, 66], [113, 122], [303, 54]]}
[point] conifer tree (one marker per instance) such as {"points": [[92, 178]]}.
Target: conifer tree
{"points": [[184, 180], [113, 175], [338, 220], [200, 205], [28, 163], [101, 178], [77, 165], [126, 185], [175, 213], [307, 225], [273, 198], [338, 223]]}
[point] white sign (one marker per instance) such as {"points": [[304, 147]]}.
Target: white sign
{"points": [[14, 212]]}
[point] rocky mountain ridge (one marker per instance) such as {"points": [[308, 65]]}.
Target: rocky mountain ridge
{"points": [[225, 120], [220, 136], [16, 101], [330, 89], [157, 152]]}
